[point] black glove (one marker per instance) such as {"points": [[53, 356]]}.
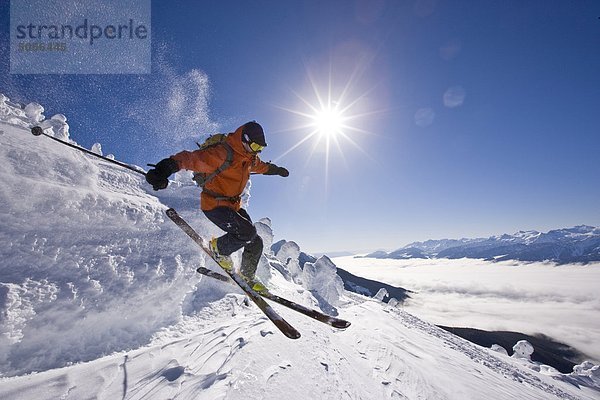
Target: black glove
{"points": [[158, 177], [275, 170]]}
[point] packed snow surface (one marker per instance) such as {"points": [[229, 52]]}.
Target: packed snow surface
{"points": [[99, 299]]}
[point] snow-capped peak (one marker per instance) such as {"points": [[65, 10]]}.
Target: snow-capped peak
{"points": [[577, 244]]}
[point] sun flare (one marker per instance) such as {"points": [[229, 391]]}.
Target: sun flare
{"points": [[329, 122], [326, 122], [330, 119]]}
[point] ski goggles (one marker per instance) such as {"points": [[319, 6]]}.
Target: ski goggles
{"points": [[255, 147]]}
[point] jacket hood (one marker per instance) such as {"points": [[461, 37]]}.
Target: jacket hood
{"points": [[235, 139]]}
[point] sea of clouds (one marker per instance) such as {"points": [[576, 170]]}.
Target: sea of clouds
{"points": [[559, 301]]}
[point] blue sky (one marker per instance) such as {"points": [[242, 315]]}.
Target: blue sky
{"points": [[513, 145]]}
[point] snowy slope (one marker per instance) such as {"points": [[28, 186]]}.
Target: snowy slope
{"points": [[83, 246], [229, 351], [98, 295]]}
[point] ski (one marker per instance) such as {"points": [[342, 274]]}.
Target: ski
{"points": [[319, 316], [279, 322]]}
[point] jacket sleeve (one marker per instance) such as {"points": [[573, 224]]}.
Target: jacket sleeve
{"points": [[206, 160], [260, 167]]}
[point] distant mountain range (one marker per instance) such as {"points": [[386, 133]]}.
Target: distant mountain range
{"points": [[578, 244]]}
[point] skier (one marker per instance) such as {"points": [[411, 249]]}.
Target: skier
{"points": [[225, 168]]}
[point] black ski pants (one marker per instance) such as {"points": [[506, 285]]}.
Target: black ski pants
{"points": [[240, 233]]}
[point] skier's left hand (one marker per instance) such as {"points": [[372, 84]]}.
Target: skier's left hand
{"points": [[283, 172], [275, 170]]}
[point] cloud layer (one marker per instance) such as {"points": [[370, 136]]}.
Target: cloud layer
{"points": [[560, 301]]}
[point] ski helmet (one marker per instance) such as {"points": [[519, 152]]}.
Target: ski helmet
{"points": [[252, 132]]}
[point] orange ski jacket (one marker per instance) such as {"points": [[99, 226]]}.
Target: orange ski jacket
{"points": [[228, 183]]}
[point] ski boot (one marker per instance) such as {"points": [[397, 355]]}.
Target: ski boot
{"points": [[224, 261], [256, 285]]}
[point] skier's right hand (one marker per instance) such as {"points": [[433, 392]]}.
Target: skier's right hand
{"points": [[157, 180], [158, 177]]}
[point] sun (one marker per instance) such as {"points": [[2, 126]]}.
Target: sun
{"points": [[326, 124], [329, 118], [329, 122]]}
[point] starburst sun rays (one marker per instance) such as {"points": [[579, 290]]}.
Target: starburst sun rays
{"points": [[329, 121]]}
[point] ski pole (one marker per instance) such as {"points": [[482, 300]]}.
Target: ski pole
{"points": [[38, 131]]}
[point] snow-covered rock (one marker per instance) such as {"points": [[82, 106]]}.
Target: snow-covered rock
{"points": [[288, 255], [97, 148], [499, 349], [586, 374], [589, 369], [381, 294], [34, 112], [523, 349], [60, 127], [264, 230], [322, 280], [12, 113], [57, 127]]}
